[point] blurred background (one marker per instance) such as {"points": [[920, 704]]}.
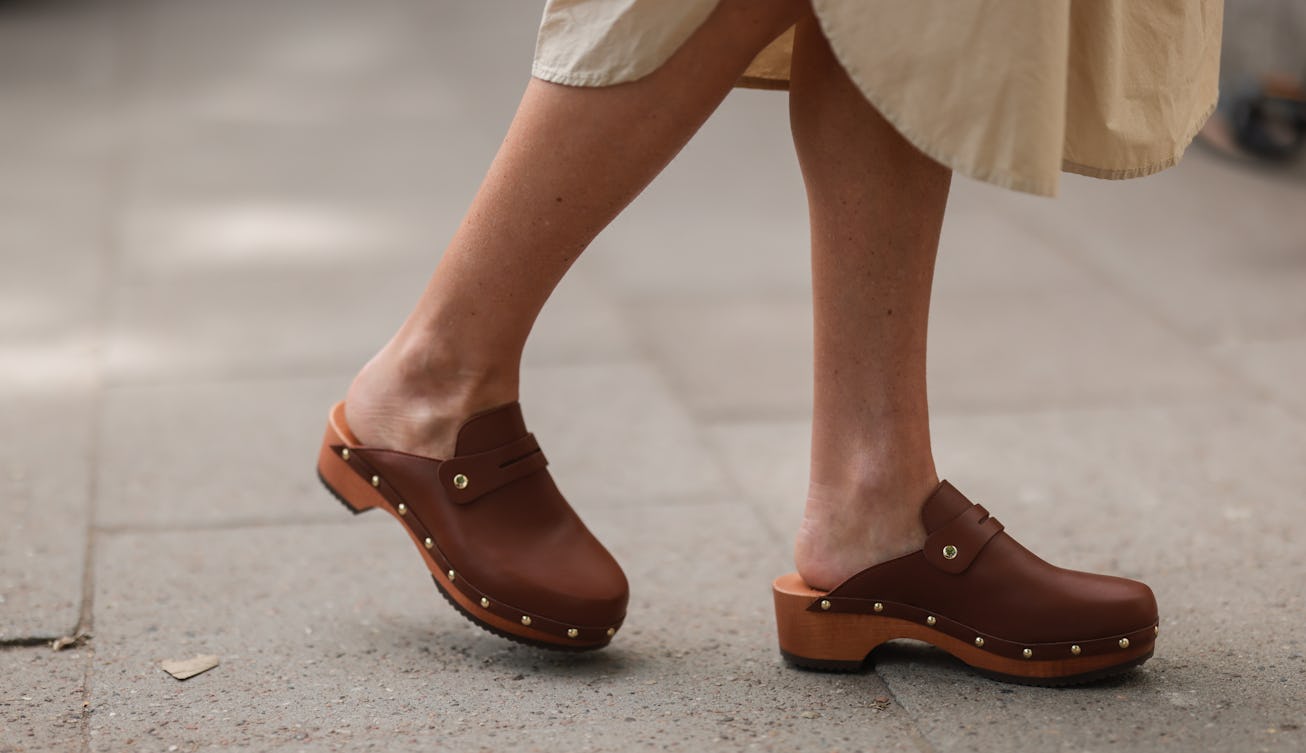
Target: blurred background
{"points": [[212, 213]]}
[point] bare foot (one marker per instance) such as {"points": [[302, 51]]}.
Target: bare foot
{"points": [[844, 532], [410, 399]]}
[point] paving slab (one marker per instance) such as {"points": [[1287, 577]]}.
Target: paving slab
{"points": [[768, 460], [49, 307], [1200, 700], [41, 699], [49, 374], [45, 481], [727, 218], [52, 234], [244, 316], [234, 324], [335, 60], [986, 249], [1277, 366], [581, 323], [616, 434], [57, 75], [1072, 345], [731, 358], [1214, 248], [259, 193], [216, 453], [51, 231], [174, 237], [231, 167], [350, 660]]}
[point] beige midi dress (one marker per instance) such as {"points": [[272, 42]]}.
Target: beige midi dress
{"points": [[1011, 93]]}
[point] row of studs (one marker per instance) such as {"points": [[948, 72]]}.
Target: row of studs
{"points": [[526, 618], [460, 481], [1028, 653]]}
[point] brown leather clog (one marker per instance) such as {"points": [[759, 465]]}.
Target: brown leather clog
{"points": [[976, 593], [501, 542]]}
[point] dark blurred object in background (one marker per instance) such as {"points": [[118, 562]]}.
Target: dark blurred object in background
{"points": [[1261, 117]]}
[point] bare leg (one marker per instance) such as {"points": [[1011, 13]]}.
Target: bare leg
{"points": [[876, 206], [572, 160]]}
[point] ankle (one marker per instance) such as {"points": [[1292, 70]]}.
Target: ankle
{"points": [[851, 525], [414, 394], [459, 367]]}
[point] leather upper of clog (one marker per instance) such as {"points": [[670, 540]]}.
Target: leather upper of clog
{"points": [[499, 522], [973, 574]]}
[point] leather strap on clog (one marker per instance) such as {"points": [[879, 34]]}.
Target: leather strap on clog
{"points": [[955, 546], [467, 477]]}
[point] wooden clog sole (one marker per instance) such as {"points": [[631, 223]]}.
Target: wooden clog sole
{"points": [[843, 642]]}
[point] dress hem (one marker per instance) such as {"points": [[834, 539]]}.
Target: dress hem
{"points": [[556, 76], [994, 175], [1125, 173]]}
